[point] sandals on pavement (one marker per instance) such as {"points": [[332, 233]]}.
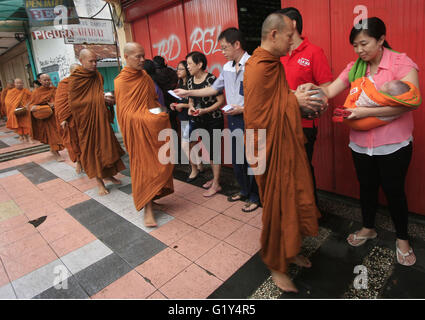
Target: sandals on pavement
{"points": [[362, 239], [401, 257], [240, 197], [248, 204]]}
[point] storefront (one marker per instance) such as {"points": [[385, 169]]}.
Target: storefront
{"points": [[174, 28]]}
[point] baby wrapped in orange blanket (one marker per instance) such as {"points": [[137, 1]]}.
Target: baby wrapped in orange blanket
{"points": [[363, 93]]}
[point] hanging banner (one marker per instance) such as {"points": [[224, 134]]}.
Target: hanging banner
{"points": [[89, 31], [44, 13]]}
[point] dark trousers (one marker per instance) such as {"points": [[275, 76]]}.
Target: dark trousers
{"points": [[311, 135], [247, 182], [388, 171]]}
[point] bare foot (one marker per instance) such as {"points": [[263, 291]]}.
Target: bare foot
{"points": [[208, 184], [283, 282], [114, 180], [101, 185], [21, 138], [212, 191], [149, 218], [301, 261], [58, 157], [78, 168]]}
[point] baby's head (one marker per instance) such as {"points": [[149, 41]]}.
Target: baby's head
{"points": [[395, 88]]}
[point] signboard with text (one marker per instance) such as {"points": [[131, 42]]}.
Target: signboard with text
{"points": [[42, 13]]}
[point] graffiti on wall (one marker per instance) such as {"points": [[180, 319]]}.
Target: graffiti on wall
{"points": [[203, 40], [60, 60], [169, 48]]}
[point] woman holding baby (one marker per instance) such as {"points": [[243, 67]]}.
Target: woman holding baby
{"points": [[381, 155]]}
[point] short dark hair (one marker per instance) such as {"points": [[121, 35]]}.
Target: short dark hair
{"points": [[231, 35], [159, 62], [373, 27], [149, 66], [198, 57], [293, 14]]}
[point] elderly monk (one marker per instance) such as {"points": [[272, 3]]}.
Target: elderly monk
{"points": [[68, 129], [135, 96], [10, 84], [100, 150], [286, 188], [18, 97], [46, 130]]}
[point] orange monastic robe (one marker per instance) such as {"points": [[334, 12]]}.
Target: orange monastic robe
{"points": [[286, 188], [15, 98], [63, 112], [46, 130], [3, 111], [135, 95], [100, 150]]}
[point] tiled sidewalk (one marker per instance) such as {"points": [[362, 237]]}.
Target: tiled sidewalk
{"points": [[56, 231], [9, 141]]}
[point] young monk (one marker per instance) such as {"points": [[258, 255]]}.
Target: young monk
{"points": [[100, 150], [18, 97], [135, 95], [68, 129], [46, 130], [286, 186]]}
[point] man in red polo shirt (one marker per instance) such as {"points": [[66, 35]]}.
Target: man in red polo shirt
{"points": [[305, 63]]}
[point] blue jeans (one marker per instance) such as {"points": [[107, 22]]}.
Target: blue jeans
{"points": [[247, 182]]}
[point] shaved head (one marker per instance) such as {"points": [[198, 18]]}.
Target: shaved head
{"points": [[45, 80], [10, 84], [73, 67], [274, 21], [276, 34], [19, 84], [88, 59], [134, 55]]}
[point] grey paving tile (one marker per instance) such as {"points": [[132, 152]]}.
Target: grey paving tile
{"points": [[116, 200], [89, 212], [85, 256], [9, 173], [11, 141], [3, 145], [127, 189], [40, 280], [6, 292], [160, 217], [101, 274], [105, 226], [140, 250], [122, 235], [71, 290], [62, 170], [37, 174]]}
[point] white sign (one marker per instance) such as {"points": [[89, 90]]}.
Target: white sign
{"points": [[88, 31], [91, 32]]}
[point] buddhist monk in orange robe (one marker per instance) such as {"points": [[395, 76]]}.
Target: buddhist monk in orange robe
{"points": [[18, 97], [100, 150], [46, 130], [68, 129], [135, 96], [285, 187], [10, 85]]}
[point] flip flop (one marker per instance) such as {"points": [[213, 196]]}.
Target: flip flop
{"points": [[209, 194], [232, 199], [362, 239], [248, 204], [402, 260]]}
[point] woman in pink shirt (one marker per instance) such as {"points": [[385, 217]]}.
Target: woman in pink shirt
{"points": [[381, 155]]}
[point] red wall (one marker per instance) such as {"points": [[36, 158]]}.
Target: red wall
{"points": [[186, 26], [328, 23]]}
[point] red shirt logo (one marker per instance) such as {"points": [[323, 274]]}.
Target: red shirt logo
{"points": [[304, 62]]}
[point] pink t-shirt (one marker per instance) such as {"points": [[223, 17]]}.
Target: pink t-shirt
{"points": [[393, 66]]}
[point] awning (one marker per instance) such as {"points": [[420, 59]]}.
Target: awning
{"points": [[13, 10]]}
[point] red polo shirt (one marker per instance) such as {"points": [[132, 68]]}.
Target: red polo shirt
{"points": [[305, 64]]}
